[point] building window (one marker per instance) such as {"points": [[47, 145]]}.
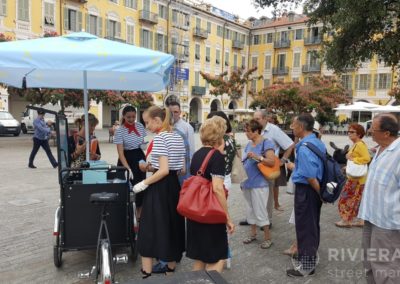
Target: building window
{"points": [[114, 1], [296, 60], [254, 61], [295, 79], [256, 39], [197, 52], [347, 82], [243, 62], [131, 4], [208, 54], [227, 33], [219, 31], [267, 64], [281, 61], [48, 13], [23, 10], [130, 34], [217, 56], [94, 25], [209, 27], [197, 78], [174, 16], [162, 11], [269, 37], [3, 7], [363, 81], [254, 85], [72, 20], [299, 34], [161, 43], [113, 29], [267, 82], [384, 81], [146, 39], [227, 59], [235, 60]]}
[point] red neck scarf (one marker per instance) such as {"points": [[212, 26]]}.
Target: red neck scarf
{"points": [[150, 147], [132, 127]]}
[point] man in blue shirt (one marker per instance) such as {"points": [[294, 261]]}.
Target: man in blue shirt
{"points": [[308, 170], [41, 138]]}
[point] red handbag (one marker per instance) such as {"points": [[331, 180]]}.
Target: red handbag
{"points": [[197, 201]]}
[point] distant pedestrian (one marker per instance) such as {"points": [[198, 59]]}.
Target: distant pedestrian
{"points": [[308, 169], [380, 204], [41, 139]]}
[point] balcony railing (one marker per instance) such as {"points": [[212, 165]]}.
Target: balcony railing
{"points": [[311, 68], [282, 44], [312, 40], [280, 70], [182, 26], [237, 44], [198, 90], [148, 17], [199, 32], [115, 39]]}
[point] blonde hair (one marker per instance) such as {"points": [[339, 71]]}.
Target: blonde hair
{"points": [[93, 121], [164, 114], [212, 131]]}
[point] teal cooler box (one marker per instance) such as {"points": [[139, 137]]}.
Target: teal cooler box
{"points": [[95, 176]]}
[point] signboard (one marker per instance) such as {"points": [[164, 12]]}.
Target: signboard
{"points": [[223, 14], [182, 73]]}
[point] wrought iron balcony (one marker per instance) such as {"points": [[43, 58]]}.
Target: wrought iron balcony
{"points": [[312, 40], [198, 90], [237, 44], [181, 56], [200, 33], [148, 17], [311, 68], [282, 44], [280, 70]]}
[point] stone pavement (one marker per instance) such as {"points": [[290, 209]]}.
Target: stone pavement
{"points": [[29, 198]]}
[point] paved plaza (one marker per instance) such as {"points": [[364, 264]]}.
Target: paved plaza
{"points": [[29, 198]]}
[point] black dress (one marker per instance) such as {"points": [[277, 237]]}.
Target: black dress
{"points": [[207, 242]]}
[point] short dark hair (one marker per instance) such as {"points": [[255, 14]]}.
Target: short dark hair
{"points": [[388, 122], [40, 111], [127, 109], [307, 121], [223, 115], [254, 125], [173, 103]]}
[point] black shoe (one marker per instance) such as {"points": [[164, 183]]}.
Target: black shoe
{"points": [[270, 227], [297, 273], [243, 223], [32, 166]]}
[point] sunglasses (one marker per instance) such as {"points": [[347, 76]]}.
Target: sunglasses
{"points": [[351, 132]]}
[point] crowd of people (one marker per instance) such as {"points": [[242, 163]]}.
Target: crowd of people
{"points": [[159, 168]]}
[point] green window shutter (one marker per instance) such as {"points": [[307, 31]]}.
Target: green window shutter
{"points": [[368, 81], [100, 26], [357, 82], [375, 85], [141, 38], [66, 20], [118, 32], [79, 24], [108, 33], [87, 24], [156, 41], [151, 40], [389, 81], [4, 7], [165, 44]]}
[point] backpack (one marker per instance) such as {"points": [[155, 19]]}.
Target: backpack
{"points": [[333, 179]]}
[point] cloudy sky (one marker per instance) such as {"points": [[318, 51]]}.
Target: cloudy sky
{"points": [[243, 8]]}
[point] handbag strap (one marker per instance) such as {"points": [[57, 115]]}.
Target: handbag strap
{"points": [[204, 165]]}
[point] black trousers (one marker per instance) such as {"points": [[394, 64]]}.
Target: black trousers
{"points": [[46, 147], [307, 211]]}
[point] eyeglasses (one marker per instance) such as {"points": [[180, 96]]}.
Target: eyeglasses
{"points": [[351, 132]]}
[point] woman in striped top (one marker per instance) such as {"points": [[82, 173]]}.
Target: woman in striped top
{"points": [[162, 229], [128, 138]]}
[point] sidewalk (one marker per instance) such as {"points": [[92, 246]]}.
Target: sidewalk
{"points": [[29, 198]]}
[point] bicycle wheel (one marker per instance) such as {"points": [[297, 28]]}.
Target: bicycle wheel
{"points": [[57, 250], [105, 272]]}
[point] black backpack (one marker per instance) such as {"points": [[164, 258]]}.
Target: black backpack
{"points": [[333, 179]]}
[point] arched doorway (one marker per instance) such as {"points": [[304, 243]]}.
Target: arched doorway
{"points": [[232, 105], [215, 105], [195, 113]]}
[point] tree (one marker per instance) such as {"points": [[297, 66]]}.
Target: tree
{"points": [[358, 29], [290, 99], [233, 85]]}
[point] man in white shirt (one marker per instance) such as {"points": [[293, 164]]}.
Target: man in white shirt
{"points": [[380, 204]]}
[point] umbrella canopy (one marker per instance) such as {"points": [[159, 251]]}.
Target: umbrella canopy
{"points": [[83, 61], [59, 62], [387, 108], [357, 106]]}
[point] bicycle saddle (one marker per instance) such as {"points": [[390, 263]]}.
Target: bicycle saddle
{"points": [[104, 197]]}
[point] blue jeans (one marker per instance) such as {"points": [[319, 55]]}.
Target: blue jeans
{"points": [[46, 147]]}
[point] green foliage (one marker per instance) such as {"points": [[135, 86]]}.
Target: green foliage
{"points": [[290, 99], [358, 29]]}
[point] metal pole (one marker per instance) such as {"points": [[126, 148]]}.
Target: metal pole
{"points": [[86, 109]]}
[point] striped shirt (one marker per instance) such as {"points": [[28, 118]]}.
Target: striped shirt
{"points": [[380, 203], [171, 145], [130, 141]]}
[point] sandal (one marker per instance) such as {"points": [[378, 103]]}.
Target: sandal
{"points": [[358, 224], [249, 239], [342, 224], [266, 244], [145, 274], [169, 270]]}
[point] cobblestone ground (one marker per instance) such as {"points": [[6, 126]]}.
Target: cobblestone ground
{"points": [[29, 198]]}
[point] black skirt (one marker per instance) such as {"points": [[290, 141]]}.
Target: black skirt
{"points": [[162, 229], [133, 157], [206, 242]]}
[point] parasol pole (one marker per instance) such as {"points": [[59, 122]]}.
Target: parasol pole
{"points": [[86, 109]]}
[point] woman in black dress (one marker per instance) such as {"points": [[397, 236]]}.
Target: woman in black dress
{"points": [[207, 244], [162, 229]]}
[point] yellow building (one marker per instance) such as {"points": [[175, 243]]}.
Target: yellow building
{"points": [[202, 38]]}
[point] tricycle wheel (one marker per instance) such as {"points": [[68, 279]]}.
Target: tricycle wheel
{"points": [[57, 252], [134, 251]]}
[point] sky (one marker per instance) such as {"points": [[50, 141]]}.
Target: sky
{"points": [[243, 8]]}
